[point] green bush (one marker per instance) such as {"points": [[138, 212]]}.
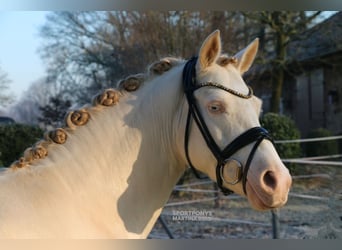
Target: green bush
{"points": [[14, 139], [283, 128], [321, 147]]}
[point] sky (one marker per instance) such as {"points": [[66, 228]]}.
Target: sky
{"points": [[19, 43]]}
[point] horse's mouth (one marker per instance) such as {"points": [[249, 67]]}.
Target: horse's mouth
{"points": [[259, 202]]}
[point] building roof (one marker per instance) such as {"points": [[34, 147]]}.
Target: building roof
{"points": [[321, 40]]}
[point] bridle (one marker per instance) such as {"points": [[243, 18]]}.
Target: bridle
{"points": [[223, 157]]}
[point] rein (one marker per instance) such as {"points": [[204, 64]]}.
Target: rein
{"points": [[223, 157]]}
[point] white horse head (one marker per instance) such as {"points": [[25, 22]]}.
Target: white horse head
{"points": [[226, 107]]}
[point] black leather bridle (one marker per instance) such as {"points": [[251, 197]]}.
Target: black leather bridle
{"points": [[223, 157]]}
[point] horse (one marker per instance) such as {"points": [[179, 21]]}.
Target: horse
{"points": [[108, 172]]}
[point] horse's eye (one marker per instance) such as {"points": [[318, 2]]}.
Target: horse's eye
{"points": [[216, 108]]}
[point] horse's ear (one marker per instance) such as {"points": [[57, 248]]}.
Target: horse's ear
{"points": [[246, 56], [210, 50]]}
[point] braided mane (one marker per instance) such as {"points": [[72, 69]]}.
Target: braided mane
{"points": [[75, 118], [107, 98]]}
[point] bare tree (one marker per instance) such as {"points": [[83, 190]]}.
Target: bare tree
{"points": [[82, 51], [5, 98], [26, 109], [53, 113], [87, 51], [278, 28]]}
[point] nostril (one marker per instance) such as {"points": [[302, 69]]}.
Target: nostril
{"points": [[270, 180]]}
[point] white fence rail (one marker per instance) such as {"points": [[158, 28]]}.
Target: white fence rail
{"points": [[328, 138]]}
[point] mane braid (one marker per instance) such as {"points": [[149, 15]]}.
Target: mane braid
{"points": [[75, 118]]}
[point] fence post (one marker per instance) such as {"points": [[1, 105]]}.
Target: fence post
{"points": [[166, 228], [217, 201], [275, 223]]}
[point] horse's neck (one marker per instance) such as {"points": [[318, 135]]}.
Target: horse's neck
{"points": [[155, 169], [116, 163]]}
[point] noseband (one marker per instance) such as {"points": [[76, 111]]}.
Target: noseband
{"points": [[223, 157]]}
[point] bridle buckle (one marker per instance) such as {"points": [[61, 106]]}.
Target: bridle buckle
{"points": [[231, 171]]}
